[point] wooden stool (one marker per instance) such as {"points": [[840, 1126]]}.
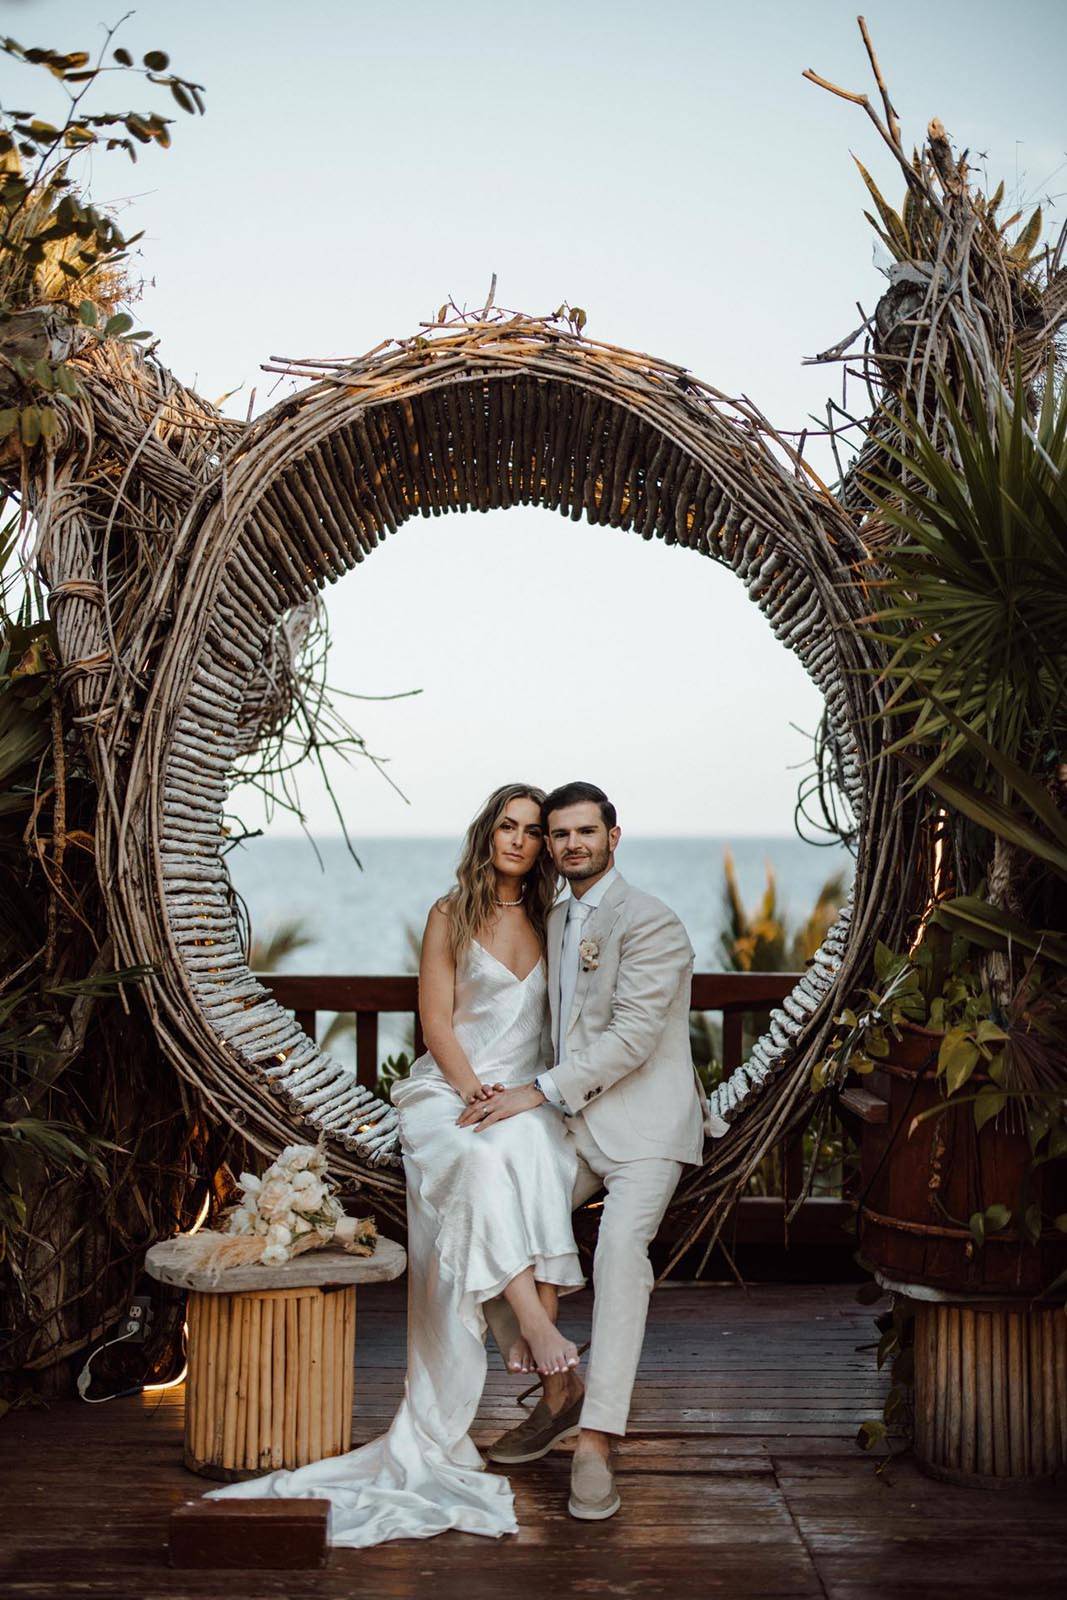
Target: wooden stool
{"points": [[271, 1356], [990, 1392]]}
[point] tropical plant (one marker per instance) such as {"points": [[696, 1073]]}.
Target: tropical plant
{"points": [[977, 585], [975, 615], [759, 941], [56, 248]]}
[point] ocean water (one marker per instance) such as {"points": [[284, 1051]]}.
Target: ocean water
{"points": [[365, 921], [362, 921]]}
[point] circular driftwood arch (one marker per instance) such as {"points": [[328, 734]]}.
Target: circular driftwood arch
{"points": [[496, 414]]}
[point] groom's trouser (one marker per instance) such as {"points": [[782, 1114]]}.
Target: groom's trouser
{"points": [[637, 1195]]}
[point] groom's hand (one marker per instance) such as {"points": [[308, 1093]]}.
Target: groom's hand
{"points": [[505, 1103]]}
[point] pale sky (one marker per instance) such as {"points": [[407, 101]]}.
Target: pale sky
{"points": [[665, 167]]}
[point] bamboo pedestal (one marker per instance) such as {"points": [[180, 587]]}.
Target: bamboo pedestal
{"points": [[990, 1391], [271, 1357]]}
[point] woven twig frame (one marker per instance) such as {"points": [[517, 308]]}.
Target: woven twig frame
{"points": [[494, 414]]}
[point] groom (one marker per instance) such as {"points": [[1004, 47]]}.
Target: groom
{"points": [[619, 970]]}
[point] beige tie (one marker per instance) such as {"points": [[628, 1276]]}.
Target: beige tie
{"points": [[568, 967]]}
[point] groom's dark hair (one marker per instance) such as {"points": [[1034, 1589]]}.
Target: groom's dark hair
{"points": [[573, 794]]}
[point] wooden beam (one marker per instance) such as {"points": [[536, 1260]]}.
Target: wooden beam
{"points": [[260, 1535]]}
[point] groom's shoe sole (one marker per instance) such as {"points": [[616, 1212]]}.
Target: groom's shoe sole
{"points": [[506, 1460], [589, 1514]]}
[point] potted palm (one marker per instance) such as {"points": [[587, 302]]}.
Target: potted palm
{"points": [[963, 1037]]}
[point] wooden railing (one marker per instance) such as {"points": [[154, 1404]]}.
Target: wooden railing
{"points": [[734, 995]]}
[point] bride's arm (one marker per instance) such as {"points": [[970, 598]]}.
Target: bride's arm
{"points": [[437, 989]]}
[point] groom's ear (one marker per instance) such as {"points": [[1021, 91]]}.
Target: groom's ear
{"points": [[614, 835]]}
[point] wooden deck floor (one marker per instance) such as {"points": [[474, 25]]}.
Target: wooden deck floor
{"points": [[740, 1478]]}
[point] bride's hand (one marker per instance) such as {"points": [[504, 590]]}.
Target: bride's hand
{"points": [[477, 1097], [484, 1091]]}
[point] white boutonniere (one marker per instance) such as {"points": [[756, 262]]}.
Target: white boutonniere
{"points": [[589, 950]]}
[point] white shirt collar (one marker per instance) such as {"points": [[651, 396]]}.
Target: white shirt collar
{"points": [[592, 897]]}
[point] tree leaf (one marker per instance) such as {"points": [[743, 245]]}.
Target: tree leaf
{"points": [[1023, 248], [990, 1103], [997, 1216]]}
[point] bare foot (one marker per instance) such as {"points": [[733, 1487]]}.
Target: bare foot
{"points": [[550, 1350], [520, 1357]]}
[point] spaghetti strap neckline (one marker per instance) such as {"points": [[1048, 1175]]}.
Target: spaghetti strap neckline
{"points": [[538, 964]]}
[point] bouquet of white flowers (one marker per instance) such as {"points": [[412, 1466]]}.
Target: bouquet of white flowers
{"points": [[290, 1209]]}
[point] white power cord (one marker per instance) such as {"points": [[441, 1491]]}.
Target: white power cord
{"points": [[85, 1375]]}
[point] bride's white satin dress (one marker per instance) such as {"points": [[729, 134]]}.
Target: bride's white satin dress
{"points": [[481, 1208]]}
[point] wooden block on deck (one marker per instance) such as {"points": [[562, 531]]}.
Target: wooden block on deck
{"points": [[252, 1534]]}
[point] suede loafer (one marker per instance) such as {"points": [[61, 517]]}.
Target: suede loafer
{"points": [[594, 1496], [534, 1437]]}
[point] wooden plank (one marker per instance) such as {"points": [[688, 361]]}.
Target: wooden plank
{"points": [[377, 992], [867, 1107]]}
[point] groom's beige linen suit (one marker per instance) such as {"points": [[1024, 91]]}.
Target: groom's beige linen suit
{"points": [[625, 1082]]}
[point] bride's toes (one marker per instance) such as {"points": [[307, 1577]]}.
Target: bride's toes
{"points": [[520, 1357], [553, 1353]]}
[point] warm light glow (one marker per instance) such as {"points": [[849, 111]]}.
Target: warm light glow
{"points": [[936, 878], [172, 1383], [202, 1218]]}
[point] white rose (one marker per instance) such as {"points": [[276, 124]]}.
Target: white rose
{"points": [[249, 1183], [242, 1219], [274, 1196], [295, 1157]]}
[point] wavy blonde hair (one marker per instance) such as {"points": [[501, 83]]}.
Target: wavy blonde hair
{"points": [[469, 904]]}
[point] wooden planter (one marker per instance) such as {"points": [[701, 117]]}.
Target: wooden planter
{"points": [[990, 1392], [990, 1362], [271, 1357], [919, 1192]]}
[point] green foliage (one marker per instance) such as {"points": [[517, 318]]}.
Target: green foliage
{"points": [[36, 997], [896, 1344], [976, 612], [392, 1069], [55, 246], [912, 234], [759, 941]]}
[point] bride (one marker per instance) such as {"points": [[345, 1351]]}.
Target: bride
{"points": [[489, 1209]]}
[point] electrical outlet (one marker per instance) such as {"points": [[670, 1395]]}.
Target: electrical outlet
{"points": [[137, 1321]]}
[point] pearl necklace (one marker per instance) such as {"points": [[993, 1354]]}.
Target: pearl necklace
{"points": [[518, 902]]}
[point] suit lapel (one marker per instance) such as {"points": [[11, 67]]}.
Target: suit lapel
{"points": [[597, 927], [556, 919]]}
